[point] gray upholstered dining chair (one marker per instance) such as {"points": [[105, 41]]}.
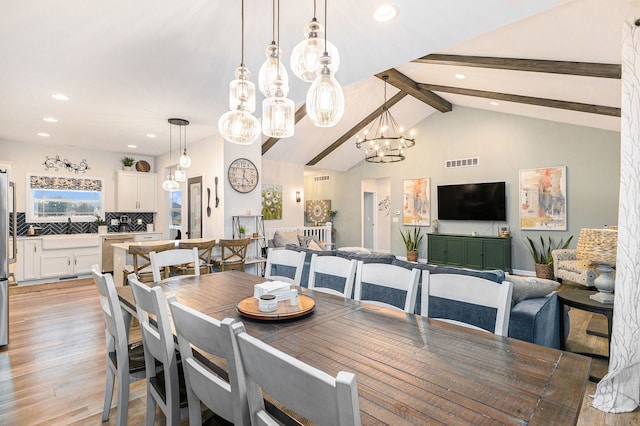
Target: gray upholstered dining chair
{"points": [[374, 275], [287, 258], [163, 385], [125, 361], [226, 398], [468, 290], [300, 388], [164, 259], [324, 271]]}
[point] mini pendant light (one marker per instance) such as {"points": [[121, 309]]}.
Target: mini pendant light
{"points": [[278, 112], [238, 125], [185, 160], [170, 184], [272, 68], [305, 57], [325, 98]]}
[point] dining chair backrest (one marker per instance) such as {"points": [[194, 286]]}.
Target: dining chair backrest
{"points": [[205, 250], [471, 290], [284, 258], [299, 387], [124, 361], [233, 254], [226, 398], [389, 276], [333, 266], [141, 261], [162, 386], [165, 259]]}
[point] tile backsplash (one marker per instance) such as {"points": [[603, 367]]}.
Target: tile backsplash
{"points": [[54, 228]]}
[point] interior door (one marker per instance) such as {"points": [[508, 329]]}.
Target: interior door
{"points": [[368, 220], [194, 203]]}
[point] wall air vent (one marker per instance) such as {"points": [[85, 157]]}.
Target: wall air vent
{"points": [[464, 162], [320, 178]]}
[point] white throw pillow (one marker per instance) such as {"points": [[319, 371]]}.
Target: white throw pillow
{"points": [[282, 238], [530, 287]]}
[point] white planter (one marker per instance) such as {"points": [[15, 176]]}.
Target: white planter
{"points": [[103, 229]]}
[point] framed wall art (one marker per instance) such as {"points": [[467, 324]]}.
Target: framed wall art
{"points": [[317, 211], [416, 203], [272, 202], [543, 199]]}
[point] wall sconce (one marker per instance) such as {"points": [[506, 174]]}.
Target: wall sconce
{"points": [[298, 197]]}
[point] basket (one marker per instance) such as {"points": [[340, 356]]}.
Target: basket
{"points": [[544, 270], [597, 245]]}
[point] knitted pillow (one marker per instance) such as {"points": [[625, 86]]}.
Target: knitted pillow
{"points": [[305, 241], [530, 287]]}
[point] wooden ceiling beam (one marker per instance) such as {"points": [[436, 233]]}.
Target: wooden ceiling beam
{"points": [[587, 69], [551, 103], [269, 143], [355, 129], [407, 85]]}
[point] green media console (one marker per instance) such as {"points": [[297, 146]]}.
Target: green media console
{"points": [[469, 252]]}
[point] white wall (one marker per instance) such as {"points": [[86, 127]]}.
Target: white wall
{"points": [[505, 144], [29, 158]]}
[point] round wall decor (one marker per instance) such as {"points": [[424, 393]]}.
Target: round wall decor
{"points": [[242, 175], [142, 166]]}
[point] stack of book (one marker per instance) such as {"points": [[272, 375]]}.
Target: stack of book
{"points": [[280, 289]]}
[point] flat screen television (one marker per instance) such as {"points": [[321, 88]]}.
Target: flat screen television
{"points": [[472, 201]]}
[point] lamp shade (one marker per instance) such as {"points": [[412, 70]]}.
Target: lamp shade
{"points": [[271, 70], [278, 116], [325, 98], [239, 126], [242, 89], [170, 184], [597, 245], [305, 57]]}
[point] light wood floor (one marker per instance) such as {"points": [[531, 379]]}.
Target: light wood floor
{"points": [[53, 370]]}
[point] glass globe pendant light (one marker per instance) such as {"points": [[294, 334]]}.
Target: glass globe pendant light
{"points": [[238, 125], [325, 98], [242, 88], [185, 160], [305, 57], [170, 183], [272, 67]]}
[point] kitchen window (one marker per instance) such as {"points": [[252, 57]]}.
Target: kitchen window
{"points": [[59, 198]]}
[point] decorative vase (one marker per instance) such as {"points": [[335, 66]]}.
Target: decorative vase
{"points": [[412, 255], [126, 168], [544, 270], [605, 283]]}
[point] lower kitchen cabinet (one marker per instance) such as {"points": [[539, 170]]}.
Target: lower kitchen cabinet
{"points": [[67, 262], [28, 262]]}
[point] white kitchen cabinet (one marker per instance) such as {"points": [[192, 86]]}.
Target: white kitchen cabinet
{"points": [[135, 192], [28, 267], [64, 255]]}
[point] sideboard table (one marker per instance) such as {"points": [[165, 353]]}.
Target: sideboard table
{"points": [[579, 299]]}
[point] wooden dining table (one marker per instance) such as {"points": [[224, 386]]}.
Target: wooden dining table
{"points": [[410, 370]]}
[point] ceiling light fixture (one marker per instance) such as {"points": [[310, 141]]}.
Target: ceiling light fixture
{"points": [[185, 160], [43, 134], [386, 143], [132, 146], [494, 103], [238, 125], [325, 98], [180, 174], [272, 69], [384, 12], [460, 76], [305, 57], [60, 97], [278, 112], [170, 184], [50, 119], [151, 135]]}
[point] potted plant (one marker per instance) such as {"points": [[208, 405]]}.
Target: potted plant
{"points": [[542, 255], [332, 215], [102, 225], [412, 240], [242, 230], [127, 162]]}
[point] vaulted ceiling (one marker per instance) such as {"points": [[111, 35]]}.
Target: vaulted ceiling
{"points": [[128, 66]]}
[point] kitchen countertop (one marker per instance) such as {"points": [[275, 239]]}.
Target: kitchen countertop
{"points": [[94, 234]]}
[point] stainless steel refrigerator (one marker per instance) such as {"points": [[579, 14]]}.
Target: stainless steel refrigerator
{"points": [[8, 250]]}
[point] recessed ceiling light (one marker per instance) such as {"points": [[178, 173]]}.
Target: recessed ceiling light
{"points": [[461, 76], [385, 12], [494, 103], [132, 146], [151, 135], [44, 135], [50, 119], [60, 97]]}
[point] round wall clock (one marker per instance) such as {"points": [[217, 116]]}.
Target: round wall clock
{"points": [[243, 175]]}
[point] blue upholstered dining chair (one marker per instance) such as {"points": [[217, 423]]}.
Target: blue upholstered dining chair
{"points": [[374, 279], [326, 273], [288, 258]]}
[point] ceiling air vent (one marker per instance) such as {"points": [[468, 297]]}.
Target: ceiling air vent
{"points": [[320, 178], [464, 162]]}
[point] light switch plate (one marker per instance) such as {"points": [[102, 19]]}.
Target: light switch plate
{"points": [[139, 221], [114, 222], [395, 220]]}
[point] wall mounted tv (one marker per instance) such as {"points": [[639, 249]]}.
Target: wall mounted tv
{"points": [[472, 201]]}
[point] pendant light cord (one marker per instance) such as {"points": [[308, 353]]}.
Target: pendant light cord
{"points": [[273, 20], [325, 28], [242, 36], [314, 10]]}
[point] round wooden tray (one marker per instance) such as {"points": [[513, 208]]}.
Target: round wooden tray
{"points": [[142, 166], [248, 307]]}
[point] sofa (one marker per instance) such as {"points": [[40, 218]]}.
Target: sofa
{"points": [[533, 319]]}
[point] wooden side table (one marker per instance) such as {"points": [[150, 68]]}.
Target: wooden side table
{"points": [[579, 299]]}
